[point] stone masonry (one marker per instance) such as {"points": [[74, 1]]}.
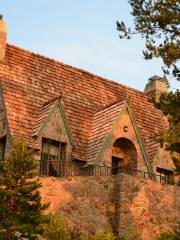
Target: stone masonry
{"points": [[113, 203]]}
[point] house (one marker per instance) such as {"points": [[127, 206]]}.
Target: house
{"points": [[71, 116]]}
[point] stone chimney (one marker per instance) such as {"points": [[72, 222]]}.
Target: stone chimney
{"points": [[155, 87], [3, 38]]}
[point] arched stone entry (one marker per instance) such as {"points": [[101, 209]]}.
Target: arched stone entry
{"points": [[123, 154]]}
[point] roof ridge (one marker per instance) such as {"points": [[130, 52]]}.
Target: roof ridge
{"points": [[50, 101], [76, 68], [95, 135], [111, 104]]}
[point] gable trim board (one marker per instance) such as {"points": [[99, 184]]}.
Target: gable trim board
{"points": [[145, 157], [66, 124], [125, 107], [57, 104]]}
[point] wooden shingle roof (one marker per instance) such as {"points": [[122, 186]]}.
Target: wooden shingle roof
{"points": [[101, 125], [30, 80], [43, 114]]}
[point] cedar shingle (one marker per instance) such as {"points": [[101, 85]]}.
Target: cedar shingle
{"points": [[30, 80]]}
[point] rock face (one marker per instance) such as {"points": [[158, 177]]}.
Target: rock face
{"points": [[150, 206], [87, 203], [95, 204]]}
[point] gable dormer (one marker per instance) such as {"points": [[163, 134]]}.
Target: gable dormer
{"points": [[53, 133]]}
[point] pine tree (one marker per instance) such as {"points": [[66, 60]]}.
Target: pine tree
{"points": [[158, 22], [170, 105], [20, 201]]}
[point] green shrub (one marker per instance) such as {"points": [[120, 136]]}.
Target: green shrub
{"points": [[56, 228], [169, 236], [130, 234], [103, 236]]}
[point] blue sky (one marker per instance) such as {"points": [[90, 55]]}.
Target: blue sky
{"points": [[81, 33]]}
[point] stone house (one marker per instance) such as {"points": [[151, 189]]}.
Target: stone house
{"points": [[71, 116]]}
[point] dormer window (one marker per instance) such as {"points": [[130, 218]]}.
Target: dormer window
{"points": [[2, 148], [164, 175], [53, 157]]}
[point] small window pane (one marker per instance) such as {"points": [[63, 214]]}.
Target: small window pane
{"points": [[53, 157], [2, 148]]}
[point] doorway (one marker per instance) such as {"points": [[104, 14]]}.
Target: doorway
{"points": [[124, 155], [116, 164]]}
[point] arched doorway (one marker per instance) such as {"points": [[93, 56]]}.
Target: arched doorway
{"points": [[123, 155]]}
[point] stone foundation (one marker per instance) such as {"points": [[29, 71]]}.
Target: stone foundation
{"points": [[94, 204], [150, 206], [87, 203]]}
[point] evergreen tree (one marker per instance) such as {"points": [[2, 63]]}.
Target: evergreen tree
{"points": [[20, 201], [170, 105], [158, 22]]}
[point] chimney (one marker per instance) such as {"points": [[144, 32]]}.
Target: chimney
{"points": [[3, 37], [155, 87]]}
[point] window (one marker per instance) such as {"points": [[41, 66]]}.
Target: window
{"points": [[2, 148], [53, 157], [164, 175], [54, 149]]}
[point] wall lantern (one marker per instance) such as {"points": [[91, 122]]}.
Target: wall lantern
{"points": [[125, 128]]}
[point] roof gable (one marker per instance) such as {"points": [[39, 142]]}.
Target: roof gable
{"points": [[45, 116], [107, 141]]}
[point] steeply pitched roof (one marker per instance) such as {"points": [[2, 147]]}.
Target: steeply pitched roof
{"points": [[101, 125], [30, 80], [42, 116]]}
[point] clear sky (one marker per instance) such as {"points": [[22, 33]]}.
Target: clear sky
{"points": [[81, 33]]}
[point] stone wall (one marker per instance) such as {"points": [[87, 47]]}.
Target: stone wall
{"points": [[150, 206], [111, 203], [86, 202]]}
